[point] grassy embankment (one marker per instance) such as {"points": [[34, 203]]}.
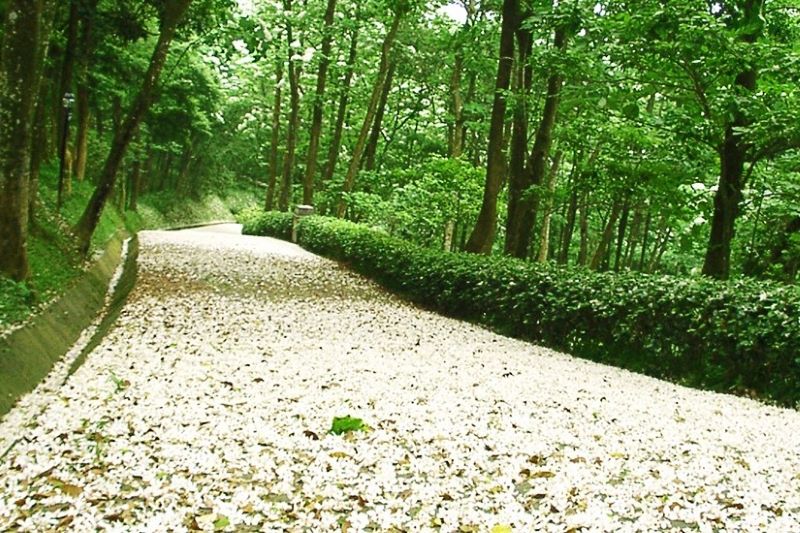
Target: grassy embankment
{"points": [[54, 260]]}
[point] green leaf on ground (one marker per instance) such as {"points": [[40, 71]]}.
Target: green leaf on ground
{"points": [[346, 424]]}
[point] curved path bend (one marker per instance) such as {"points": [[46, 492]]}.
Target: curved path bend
{"points": [[208, 405]]}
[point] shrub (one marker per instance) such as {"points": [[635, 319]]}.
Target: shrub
{"points": [[256, 221], [740, 336]]}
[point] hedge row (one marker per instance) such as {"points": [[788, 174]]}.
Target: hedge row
{"points": [[741, 336], [256, 221]]}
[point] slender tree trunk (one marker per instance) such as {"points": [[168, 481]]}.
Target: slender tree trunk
{"points": [[38, 150], [482, 237], [338, 128], [607, 236], [457, 108], [182, 184], [294, 121], [634, 238], [67, 74], [173, 14], [623, 229], [525, 216], [544, 240], [121, 188], [517, 177], [645, 240], [569, 228], [19, 55], [269, 201], [733, 155], [82, 135], [662, 240], [583, 222], [372, 145], [136, 185], [39, 127], [84, 117], [316, 120], [372, 107]]}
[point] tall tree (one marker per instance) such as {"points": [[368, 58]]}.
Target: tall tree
{"points": [[294, 115], [85, 50], [482, 237], [172, 14], [274, 152], [19, 54], [372, 144], [544, 240], [39, 126], [372, 105], [518, 177], [65, 86], [341, 109], [734, 150], [523, 218], [319, 94]]}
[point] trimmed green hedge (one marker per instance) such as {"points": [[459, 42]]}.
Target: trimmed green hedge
{"points": [[276, 224], [741, 336]]}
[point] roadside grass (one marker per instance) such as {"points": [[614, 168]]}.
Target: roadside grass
{"points": [[52, 250]]}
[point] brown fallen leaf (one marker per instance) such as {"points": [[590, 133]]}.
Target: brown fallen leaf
{"points": [[71, 490], [339, 455]]}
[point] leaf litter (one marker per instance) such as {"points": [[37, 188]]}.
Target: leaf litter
{"points": [[208, 407]]}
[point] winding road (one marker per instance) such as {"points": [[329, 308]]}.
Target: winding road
{"points": [[209, 403]]}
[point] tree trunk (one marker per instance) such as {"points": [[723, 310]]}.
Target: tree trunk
{"points": [[623, 229], [269, 201], [84, 117], [39, 127], [136, 185], [372, 107], [67, 74], [294, 121], [524, 218], [482, 237], [372, 145], [634, 238], [733, 154], [336, 138], [121, 188], [662, 240], [182, 183], [82, 135], [607, 236], [316, 120], [569, 228], [173, 13], [38, 149], [583, 222], [517, 177], [457, 108], [18, 74], [544, 240], [645, 240]]}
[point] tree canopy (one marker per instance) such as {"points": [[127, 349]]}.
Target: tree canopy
{"points": [[614, 135]]}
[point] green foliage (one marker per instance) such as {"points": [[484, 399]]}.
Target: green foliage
{"points": [[346, 424], [740, 336], [54, 258], [270, 224], [15, 300]]}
